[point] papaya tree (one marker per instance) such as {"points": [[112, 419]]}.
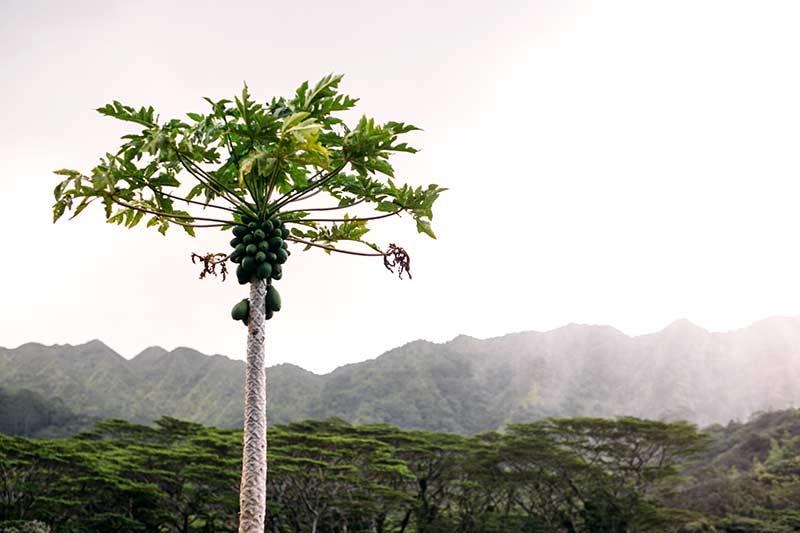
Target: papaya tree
{"points": [[280, 174]]}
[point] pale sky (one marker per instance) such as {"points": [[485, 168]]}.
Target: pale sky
{"points": [[614, 162]]}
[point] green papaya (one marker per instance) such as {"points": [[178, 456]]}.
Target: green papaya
{"points": [[285, 245], [272, 257], [234, 257], [273, 300], [276, 233], [241, 276], [251, 249], [252, 225], [263, 246], [261, 257], [264, 271], [235, 242], [259, 235], [275, 243], [240, 231], [240, 249], [249, 265], [284, 231], [267, 227], [241, 311], [268, 314], [248, 239], [282, 256], [277, 272]]}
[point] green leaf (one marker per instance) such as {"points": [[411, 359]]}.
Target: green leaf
{"points": [[382, 166], [386, 207], [66, 172], [122, 112], [293, 120], [136, 219], [424, 226], [165, 180], [84, 203], [58, 210]]}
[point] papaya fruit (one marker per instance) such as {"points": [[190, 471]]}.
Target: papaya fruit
{"points": [[252, 225], [272, 257], [263, 246], [247, 239], [259, 235], [261, 257], [234, 257], [241, 276], [267, 227], [268, 314], [277, 272], [284, 231], [235, 242], [264, 271], [240, 231], [273, 299], [281, 256], [276, 233], [251, 249], [249, 265], [241, 311], [275, 243]]}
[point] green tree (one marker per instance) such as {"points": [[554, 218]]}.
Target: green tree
{"points": [[625, 461], [254, 166]]}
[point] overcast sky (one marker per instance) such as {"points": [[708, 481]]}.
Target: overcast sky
{"points": [[613, 162]]}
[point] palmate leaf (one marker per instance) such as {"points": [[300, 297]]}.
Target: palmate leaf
{"points": [[322, 99], [351, 230], [143, 116], [293, 120]]}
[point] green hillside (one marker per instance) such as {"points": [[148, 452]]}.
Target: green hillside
{"points": [[29, 414], [464, 386]]}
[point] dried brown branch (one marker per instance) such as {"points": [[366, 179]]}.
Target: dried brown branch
{"points": [[397, 257], [211, 262]]}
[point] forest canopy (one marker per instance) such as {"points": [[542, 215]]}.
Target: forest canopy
{"points": [[578, 474]]}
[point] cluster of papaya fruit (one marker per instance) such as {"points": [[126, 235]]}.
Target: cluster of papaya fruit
{"points": [[260, 250], [272, 304]]}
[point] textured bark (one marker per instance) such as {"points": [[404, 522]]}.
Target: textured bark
{"points": [[253, 491]]}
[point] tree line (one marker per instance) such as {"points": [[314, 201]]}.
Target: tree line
{"points": [[556, 475]]}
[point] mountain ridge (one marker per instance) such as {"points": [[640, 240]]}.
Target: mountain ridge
{"points": [[680, 322], [464, 385]]}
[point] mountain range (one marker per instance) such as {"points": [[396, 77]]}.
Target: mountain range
{"points": [[462, 386]]}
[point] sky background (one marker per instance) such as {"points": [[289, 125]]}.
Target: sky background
{"points": [[618, 162]]}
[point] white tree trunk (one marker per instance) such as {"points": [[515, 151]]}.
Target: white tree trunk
{"points": [[253, 491]]}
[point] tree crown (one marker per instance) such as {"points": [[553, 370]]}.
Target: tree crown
{"points": [[253, 160]]}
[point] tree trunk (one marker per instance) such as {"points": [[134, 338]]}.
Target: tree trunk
{"points": [[253, 491]]}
